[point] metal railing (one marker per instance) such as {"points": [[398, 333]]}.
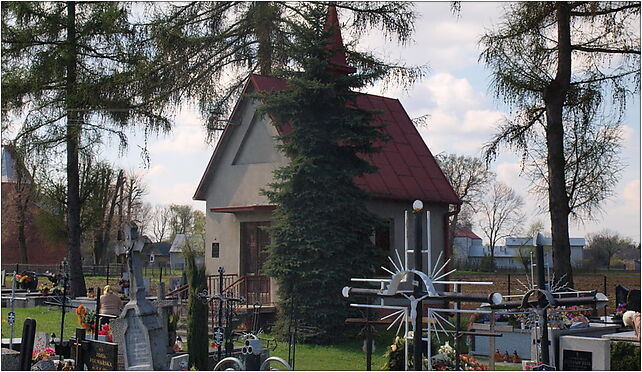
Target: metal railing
{"points": [[253, 288]]}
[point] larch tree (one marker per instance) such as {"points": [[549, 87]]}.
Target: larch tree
{"points": [[566, 70], [207, 50], [67, 70], [321, 229]]}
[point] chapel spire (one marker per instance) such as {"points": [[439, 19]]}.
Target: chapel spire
{"points": [[337, 59]]}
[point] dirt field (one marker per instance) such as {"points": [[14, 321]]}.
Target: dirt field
{"points": [[583, 282]]}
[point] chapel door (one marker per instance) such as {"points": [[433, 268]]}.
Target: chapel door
{"points": [[254, 242]]}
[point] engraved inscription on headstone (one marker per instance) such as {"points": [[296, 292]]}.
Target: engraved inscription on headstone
{"points": [[137, 346], [102, 356], [573, 360]]}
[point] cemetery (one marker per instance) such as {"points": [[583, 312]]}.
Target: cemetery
{"points": [[326, 237]]}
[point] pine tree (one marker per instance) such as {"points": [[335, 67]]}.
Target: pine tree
{"points": [[70, 68], [555, 63], [207, 50], [320, 235]]}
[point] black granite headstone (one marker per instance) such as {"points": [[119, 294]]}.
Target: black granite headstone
{"points": [[633, 300], [101, 356], [573, 360]]}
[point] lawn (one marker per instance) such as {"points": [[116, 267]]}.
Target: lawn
{"points": [[346, 355], [47, 320]]}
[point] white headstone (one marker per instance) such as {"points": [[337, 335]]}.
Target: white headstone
{"points": [[179, 363], [148, 285], [40, 341], [584, 354]]}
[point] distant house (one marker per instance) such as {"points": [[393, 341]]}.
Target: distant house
{"points": [[469, 249], [176, 260], [157, 254], [41, 249], [465, 241]]}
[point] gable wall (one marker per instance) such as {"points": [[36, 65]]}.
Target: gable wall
{"points": [[238, 185]]}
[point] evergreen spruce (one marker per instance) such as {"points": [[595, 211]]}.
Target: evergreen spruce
{"points": [[197, 338], [321, 231]]}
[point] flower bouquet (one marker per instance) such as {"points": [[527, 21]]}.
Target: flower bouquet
{"points": [[45, 354], [105, 330], [86, 319], [26, 280], [447, 360]]}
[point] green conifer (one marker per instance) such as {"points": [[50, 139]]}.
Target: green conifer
{"points": [[321, 232]]}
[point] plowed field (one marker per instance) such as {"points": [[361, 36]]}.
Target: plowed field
{"points": [[518, 281]]}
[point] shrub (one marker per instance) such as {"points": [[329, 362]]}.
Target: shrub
{"points": [[625, 356]]}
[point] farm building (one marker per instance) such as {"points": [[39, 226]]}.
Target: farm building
{"points": [[470, 250], [246, 156]]}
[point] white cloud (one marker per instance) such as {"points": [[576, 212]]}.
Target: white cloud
{"points": [[188, 135], [451, 93], [484, 121], [631, 191]]}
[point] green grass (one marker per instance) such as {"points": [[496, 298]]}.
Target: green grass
{"points": [[47, 320]]}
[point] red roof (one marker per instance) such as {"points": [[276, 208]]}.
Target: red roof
{"points": [[465, 233], [407, 169]]}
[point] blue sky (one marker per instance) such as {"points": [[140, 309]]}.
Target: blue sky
{"points": [[455, 94]]}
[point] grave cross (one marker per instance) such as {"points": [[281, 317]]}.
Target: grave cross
{"points": [[546, 299], [223, 300], [424, 287]]}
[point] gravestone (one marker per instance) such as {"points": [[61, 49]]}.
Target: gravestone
{"points": [[10, 360], [139, 329], [179, 363], [94, 355], [174, 283], [148, 286], [584, 354], [40, 341]]}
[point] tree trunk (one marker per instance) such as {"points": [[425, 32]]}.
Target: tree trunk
{"points": [[22, 203], [105, 238], [554, 97], [22, 238], [73, 179], [263, 28]]}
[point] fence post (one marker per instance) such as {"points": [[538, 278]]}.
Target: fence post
{"points": [[509, 284], [607, 305], [107, 280]]}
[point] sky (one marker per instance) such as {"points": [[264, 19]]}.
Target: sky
{"points": [[462, 116]]}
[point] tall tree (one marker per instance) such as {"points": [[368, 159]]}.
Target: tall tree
{"points": [[555, 63], [181, 220], [469, 177], [102, 206], [206, 50], [603, 246], [161, 217], [320, 235], [501, 215], [69, 67]]}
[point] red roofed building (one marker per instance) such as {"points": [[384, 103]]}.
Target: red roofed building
{"points": [[40, 248], [246, 155]]}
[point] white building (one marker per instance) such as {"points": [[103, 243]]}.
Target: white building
{"points": [[468, 246]]}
